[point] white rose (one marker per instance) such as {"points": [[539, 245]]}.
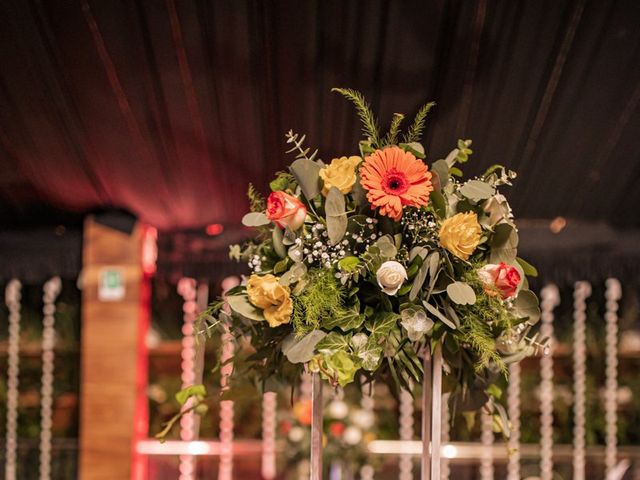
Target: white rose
{"points": [[391, 275], [352, 435]]}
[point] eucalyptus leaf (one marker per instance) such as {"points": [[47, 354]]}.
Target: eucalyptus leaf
{"points": [[240, 304], [439, 204], [421, 252], [278, 246], [504, 244], [358, 193], [336, 215], [294, 274], [527, 268], [441, 168], [387, 247], [255, 219], [477, 190], [419, 281], [461, 293], [526, 305], [439, 315], [414, 148], [307, 173], [301, 350]]}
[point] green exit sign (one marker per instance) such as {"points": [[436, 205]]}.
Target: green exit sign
{"points": [[112, 284]]}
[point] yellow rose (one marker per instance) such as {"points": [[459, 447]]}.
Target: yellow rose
{"points": [[266, 293], [340, 173], [460, 234]]}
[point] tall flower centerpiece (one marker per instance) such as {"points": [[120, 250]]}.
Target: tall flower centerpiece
{"points": [[364, 264]]}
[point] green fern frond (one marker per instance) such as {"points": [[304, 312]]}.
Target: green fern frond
{"points": [[257, 202], [391, 138], [369, 123], [414, 134]]}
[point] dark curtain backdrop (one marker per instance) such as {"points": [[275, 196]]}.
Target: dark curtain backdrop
{"points": [[168, 108]]}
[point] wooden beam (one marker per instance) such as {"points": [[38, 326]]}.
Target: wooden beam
{"points": [[109, 359]]}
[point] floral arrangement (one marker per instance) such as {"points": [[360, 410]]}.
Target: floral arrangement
{"points": [[361, 263], [347, 428]]}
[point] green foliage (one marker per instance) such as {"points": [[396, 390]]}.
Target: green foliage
{"points": [[414, 134], [283, 181], [298, 146], [257, 202], [322, 298], [391, 138], [370, 126]]}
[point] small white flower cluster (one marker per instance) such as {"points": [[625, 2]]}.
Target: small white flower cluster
{"points": [[255, 262], [417, 222], [316, 248]]}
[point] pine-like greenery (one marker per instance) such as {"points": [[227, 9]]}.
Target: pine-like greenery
{"points": [[321, 299], [370, 126], [391, 138], [414, 134]]}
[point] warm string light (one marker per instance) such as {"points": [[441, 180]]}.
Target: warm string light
{"points": [[486, 437], [406, 433], [582, 291], [225, 468], [550, 300], [12, 300], [51, 291], [269, 404], [612, 295], [187, 290]]}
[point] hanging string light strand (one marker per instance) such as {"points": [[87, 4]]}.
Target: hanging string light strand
{"points": [[51, 290], [12, 300]]}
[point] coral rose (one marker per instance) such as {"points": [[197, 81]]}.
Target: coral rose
{"points": [[340, 173], [394, 178], [265, 292], [500, 279], [286, 210], [460, 234]]}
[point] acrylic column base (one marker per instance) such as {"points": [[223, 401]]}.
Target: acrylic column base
{"points": [[431, 414], [431, 418]]}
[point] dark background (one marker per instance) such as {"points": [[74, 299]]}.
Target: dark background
{"points": [[167, 109]]}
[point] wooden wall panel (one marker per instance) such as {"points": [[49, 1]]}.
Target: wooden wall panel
{"points": [[109, 354]]}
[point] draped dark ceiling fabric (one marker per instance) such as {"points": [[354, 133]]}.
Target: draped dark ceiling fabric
{"points": [[169, 108]]}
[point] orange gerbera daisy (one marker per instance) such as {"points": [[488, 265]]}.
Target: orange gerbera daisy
{"points": [[394, 178]]}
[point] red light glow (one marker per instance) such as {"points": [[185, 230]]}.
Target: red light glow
{"points": [[214, 229]]}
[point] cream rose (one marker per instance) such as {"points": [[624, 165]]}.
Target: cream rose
{"points": [[340, 173], [460, 234], [391, 275], [265, 292]]}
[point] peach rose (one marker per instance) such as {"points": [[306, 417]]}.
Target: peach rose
{"points": [[286, 210], [500, 279]]}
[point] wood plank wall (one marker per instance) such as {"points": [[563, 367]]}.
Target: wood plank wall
{"points": [[109, 354]]}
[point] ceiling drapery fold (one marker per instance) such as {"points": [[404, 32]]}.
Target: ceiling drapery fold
{"points": [[169, 109]]}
